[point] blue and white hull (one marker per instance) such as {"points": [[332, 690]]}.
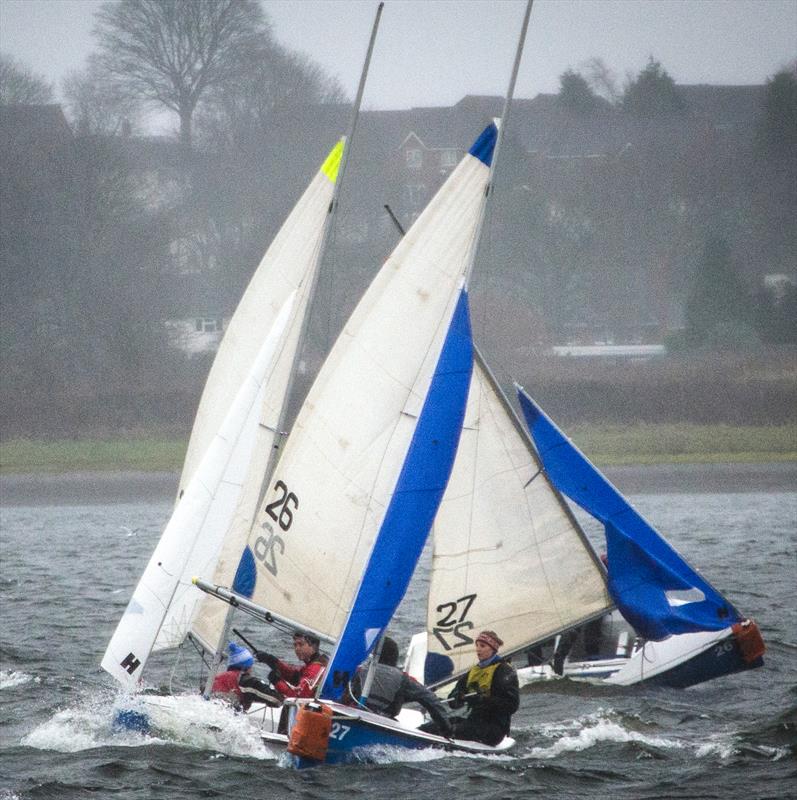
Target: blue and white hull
{"points": [[358, 735], [679, 661]]}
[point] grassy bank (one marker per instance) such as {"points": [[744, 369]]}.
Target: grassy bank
{"points": [[95, 455], [605, 444], [686, 443]]}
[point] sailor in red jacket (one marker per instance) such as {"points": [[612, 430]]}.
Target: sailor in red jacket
{"points": [[238, 685], [301, 680]]}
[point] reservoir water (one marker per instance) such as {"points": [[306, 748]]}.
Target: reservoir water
{"points": [[73, 547]]}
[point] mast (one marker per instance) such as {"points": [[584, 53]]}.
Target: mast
{"points": [[364, 622], [280, 432], [501, 130]]}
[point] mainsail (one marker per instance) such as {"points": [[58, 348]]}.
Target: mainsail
{"points": [[333, 487], [232, 435], [653, 586], [508, 554]]}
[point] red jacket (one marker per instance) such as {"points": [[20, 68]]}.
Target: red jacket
{"points": [[299, 680], [243, 689], [227, 683]]}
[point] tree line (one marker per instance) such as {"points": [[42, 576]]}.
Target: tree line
{"points": [[93, 258]]}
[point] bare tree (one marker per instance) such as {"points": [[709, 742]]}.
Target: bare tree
{"points": [[19, 85], [94, 106], [276, 84], [171, 52], [602, 80]]}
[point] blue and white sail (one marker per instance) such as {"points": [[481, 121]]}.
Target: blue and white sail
{"points": [[361, 474], [653, 586], [412, 507]]}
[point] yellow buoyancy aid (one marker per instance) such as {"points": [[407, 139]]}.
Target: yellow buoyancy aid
{"points": [[481, 678]]}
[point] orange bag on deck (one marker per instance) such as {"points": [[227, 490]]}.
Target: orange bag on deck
{"points": [[310, 734], [748, 637]]}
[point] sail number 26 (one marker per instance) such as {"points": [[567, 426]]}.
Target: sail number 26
{"points": [[281, 511]]}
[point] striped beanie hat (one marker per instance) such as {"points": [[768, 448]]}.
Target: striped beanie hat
{"points": [[240, 657], [490, 638]]}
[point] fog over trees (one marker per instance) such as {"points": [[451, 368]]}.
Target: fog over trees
{"points": [[628, 213], [18, 84]]}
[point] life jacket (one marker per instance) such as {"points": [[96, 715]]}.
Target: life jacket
{"points": [[384, 694], [226, 684], [481, 678]]}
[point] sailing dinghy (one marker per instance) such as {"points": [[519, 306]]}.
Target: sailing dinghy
{"points": [[234, 432], [237, 434], [504, 521], [370, 454], [360, 477], [687, 631]]}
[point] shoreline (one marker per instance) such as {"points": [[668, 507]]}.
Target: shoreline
{"points": [[135, 486]]}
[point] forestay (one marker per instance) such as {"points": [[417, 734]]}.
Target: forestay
{"points": [[232, 437], [340, 467], [508, 555], [653, 586]]}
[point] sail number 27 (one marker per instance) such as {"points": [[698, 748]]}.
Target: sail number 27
{"points": [[451, 629], [281, 511]]}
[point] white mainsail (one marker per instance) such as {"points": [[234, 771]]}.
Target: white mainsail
{"points": [[162, 605], [286, 266], [213, 621], [329, 492], [232, 438], [508, 555]]}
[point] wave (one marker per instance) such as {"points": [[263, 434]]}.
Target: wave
{"points": [[186, 720], [609, 727], [10, 679]]}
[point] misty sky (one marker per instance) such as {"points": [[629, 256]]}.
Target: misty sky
{"points": [[433, 52]]}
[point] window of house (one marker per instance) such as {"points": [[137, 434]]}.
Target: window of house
{"points": [[415, 194], [208, 325], [448, 158], [414, 159]]}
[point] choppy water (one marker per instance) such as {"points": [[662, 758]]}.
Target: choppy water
{"points": [[67, 573]]}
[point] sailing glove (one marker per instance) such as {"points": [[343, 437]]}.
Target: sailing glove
{"points": [[476, 699], [457, 699], [266, 658]]}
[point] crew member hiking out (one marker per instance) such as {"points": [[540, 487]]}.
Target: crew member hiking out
{"points": [[296, 680], [238, 685], [490, 690]]}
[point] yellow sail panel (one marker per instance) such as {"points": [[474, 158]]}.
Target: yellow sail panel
{"points": [[331, 166]]}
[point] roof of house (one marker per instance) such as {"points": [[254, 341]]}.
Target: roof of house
{"points": [[42, 129]]}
